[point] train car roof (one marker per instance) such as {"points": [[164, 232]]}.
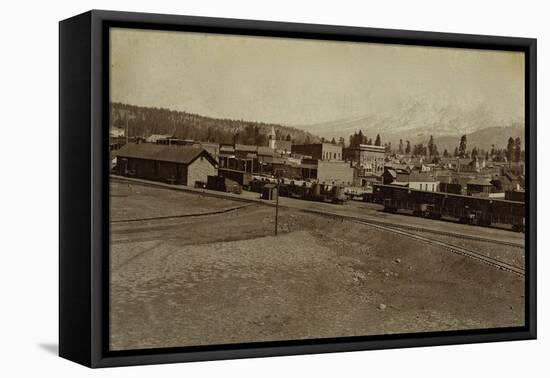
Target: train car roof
{"points": [[450, 194]]}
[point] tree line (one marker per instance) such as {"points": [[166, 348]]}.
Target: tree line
{"points": [[512, 153], [145, 121]]}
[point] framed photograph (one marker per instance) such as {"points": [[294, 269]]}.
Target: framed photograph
{"points": [[234, 188]]}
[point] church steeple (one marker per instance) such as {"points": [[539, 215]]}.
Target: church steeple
{"points": [[272, 138]]}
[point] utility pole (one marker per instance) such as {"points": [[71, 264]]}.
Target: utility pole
{"points": [[278, 175], [277, 208], [126, 132]]}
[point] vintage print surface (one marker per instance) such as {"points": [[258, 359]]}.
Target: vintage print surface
{"points": [[269, 189]]}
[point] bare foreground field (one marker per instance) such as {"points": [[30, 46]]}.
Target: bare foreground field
{"points": [[224, 278]]}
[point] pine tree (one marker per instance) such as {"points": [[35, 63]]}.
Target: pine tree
{"points": [[510, 149], [378, 141], [517, 150], [462, 147], [360, 138], [431, 145]]}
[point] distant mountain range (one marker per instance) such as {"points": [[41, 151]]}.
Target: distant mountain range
{"points": [[415, 123], [482, 139], [417, 120]]}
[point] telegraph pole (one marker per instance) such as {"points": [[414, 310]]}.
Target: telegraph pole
{"points": [[277, 207], [278, 175], [126, 132]]}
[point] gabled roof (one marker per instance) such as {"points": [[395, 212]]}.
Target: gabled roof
{"points": [[160, 152], [392, 173]]}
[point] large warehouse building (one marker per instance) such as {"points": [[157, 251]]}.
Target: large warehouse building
{"points": [[180, 165]]}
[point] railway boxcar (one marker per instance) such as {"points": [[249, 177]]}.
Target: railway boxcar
{"points": [[465, 209], [223, 184]]}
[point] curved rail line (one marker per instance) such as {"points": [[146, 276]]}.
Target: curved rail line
{"points": [[447, 233], [455, 249], [412, 228], [182, 215], [351, 217], [450, 247]]}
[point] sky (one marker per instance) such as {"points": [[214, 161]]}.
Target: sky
{"points": [[307, 82]]}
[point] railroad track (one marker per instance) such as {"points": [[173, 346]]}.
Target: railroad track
{"points": [[447, 233], [176, 216], [381, 223], [413, 228], [452, 248]]}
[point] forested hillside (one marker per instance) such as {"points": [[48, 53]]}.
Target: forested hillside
{"points": [[145, 121]]}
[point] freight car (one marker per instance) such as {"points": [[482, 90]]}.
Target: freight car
{"points": [[480, 211], [311, 191], [223, 184]]}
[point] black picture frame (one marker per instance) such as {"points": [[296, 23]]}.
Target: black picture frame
{"points": [[84, 190]]}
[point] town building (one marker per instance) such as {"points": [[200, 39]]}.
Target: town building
{"points": [[283, 147], [180, 165], [366, 158], [506, 182], [423, 181], [241, 162], [411, 179], [472, 165], [479, 187], [212, 148], [334, 172], [153, 138], [319, 151], [272, 138]]}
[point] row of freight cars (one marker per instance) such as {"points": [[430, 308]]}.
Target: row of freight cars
{"points": [[311, 191], [305, 190], [465, 209]]}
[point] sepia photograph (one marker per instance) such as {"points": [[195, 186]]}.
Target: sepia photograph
{"points": [[273, 189]]}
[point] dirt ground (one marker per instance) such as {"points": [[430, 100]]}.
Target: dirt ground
{"points": [[225, 278], [131, 201]]}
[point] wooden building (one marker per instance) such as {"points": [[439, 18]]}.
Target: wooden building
{"points": [[180, 165], [479, 187], [319, 151], [366, 158]]}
